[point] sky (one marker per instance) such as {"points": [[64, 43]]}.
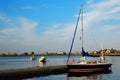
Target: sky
{"points": [[48, 25]]}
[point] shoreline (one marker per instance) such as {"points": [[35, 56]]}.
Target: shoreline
{"points": [[113, 54]]}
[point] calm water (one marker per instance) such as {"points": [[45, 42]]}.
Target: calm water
{"points": [[23, 62]]}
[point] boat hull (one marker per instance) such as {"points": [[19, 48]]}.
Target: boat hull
{"points": [[73, 74], [89, 68], [42, 59]]}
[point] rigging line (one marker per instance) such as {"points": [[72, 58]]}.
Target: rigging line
{"points": [[74, 36]]}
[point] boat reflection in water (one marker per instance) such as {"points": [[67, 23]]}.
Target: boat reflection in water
{"points": [[42, 64], [88, 76]]}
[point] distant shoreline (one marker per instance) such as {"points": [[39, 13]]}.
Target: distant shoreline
{"points": [[111, 54], [106, 52]]}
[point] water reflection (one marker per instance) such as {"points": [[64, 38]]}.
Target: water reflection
{"points": [[79, 76], [92, 77], [42, 64]]}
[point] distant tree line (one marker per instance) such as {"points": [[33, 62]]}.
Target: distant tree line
{"points": [[109, 52]]}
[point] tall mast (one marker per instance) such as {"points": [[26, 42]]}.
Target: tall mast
{"points": [[82, 26], [82, 36]]}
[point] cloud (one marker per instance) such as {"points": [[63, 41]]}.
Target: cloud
{"points": [[10, 31], [57, 35], [101, 18], [98, 17], [3, 19], [112, 27], [89, 2], [27, 26], [104, 10], [60, 29], [23, 33], [28, 30], [19, 38]]}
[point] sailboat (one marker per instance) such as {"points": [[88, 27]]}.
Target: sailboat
{"points": [[94, 65]]}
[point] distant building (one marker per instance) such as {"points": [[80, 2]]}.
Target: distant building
{"points": [[45, 53], [108, 51], [79, 53], [95, 52], [67, 52], [61, 53], [118, 51]]}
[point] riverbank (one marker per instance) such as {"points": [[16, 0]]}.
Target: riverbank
{"points": [[13, 74]]}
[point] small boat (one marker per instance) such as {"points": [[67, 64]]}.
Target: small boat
{"points": [[42, 59], [32, 57], [85, 65]]}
